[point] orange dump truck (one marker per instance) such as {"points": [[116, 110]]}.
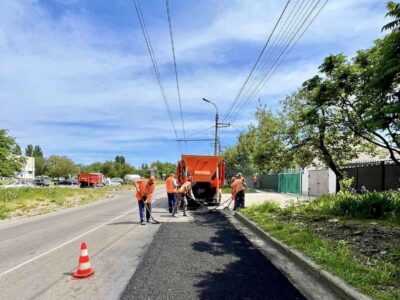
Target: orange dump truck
{"points": [[208, 174], [90, 179]]}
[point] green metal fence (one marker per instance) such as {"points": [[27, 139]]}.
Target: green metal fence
{"points": [[269, 182], [282, 182], [290, 183]]}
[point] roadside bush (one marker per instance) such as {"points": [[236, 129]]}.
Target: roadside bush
{"points": [[374, 205]]}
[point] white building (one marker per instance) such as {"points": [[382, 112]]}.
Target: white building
{"points": [[27, 170]]}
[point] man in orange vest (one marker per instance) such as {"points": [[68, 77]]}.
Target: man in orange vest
{"points": [[238, 188], [144, 195], [171, 186], [181, 194]]}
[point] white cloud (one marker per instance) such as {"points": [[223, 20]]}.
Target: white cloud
{"points": [[59, 77]]}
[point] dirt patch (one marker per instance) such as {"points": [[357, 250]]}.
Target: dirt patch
{"points": [[370, 240]]}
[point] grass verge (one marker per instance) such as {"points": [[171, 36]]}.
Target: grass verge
{"points": [[347, 246], [25, 202]]}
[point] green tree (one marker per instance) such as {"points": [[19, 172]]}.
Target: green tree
{"points": [[120, 159], [270, 151], [29, 151], [239, 158], [314, 126], [40, 166], [18, 150], [37, 152], [10, 159], [393, 12], [60, 166]]}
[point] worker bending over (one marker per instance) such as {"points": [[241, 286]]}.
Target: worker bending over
{"points": [[181, 196], [144, 195], [171, 186], [238, 188]]}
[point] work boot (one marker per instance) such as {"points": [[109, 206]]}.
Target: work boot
{"points": [[184, 214], [142, 223]]}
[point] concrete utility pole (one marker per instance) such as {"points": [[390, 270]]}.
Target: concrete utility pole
{"points": [[217, 148]]}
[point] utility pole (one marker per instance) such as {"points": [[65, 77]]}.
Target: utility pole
{"points": [[217, 146]]}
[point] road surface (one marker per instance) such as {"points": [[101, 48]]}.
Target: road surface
{"points": [[206, 259], [197, 257], [39, 254]]}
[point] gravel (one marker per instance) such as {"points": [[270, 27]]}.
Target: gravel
{"points": [[206, 259]]}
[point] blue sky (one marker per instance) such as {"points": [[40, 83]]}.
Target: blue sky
{"points": [[75, 76]]}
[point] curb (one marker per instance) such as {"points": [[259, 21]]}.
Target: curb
{"points": [[337, 285]]}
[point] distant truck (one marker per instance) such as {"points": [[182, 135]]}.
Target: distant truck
{"points": [[208, 173], [90, 179]]}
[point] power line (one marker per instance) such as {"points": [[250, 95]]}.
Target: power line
{"points": [[154, 62], [175, 68], [294, 21], [277, 41], [255, 65], [277, 59]]}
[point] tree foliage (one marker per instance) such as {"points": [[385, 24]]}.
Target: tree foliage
{"points": [[351, 106], [10, 159], [29, 150], [60, 166]]}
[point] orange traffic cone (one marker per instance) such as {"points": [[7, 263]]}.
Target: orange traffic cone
{"points": [[84, 269]]}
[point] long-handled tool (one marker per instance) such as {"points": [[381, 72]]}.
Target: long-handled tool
{"points": [[199, 203], [151, 216], [229, 199], [145, 204]]}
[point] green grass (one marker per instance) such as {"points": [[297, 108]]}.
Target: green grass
{"points": [[336, 257], [33, 201]]}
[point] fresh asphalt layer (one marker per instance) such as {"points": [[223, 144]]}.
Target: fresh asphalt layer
{"points": [[206, 259]]}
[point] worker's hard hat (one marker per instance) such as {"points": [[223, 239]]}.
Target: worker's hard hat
{"points": [[239, 175], [152, 180]]}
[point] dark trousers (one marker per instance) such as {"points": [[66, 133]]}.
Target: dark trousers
{"points": [[239, 200], [142, 210], [171, 201]]}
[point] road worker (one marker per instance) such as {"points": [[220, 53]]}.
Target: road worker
{"points": [[181, 196], [255, 180], [239, 187], [144, 195], [171, 185]]}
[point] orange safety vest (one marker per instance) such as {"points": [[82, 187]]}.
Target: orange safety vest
{"points": [[145, 190], [169, 183]]}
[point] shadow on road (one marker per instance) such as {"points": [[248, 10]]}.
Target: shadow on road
{"points": [[244, 273], [206, 259]]}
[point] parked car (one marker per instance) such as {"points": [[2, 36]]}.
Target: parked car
{"points": [[113, 182], [66, 182], [17, 185], [41, 182]]}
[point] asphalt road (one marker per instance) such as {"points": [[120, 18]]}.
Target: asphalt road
{"points": [[39, 254], [206, 259]]}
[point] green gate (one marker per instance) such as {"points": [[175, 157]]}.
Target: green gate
{"points": [[290, 183]]}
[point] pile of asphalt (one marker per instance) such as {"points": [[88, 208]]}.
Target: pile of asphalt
{"points": [[206, 259]]}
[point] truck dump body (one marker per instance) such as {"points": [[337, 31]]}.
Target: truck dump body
{"points": [[208, 173], [90, 179]]}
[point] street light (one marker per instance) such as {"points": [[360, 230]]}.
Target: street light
{"points": [[216, 126]]}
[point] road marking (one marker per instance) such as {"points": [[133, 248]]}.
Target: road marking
{"points": [[66, 243]]}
